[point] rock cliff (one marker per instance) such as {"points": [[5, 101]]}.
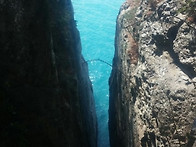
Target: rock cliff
{"points": [[45, 93], [153, 80]]}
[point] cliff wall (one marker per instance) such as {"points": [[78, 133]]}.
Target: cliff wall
{"points": [[45, 93], [153, 80]]}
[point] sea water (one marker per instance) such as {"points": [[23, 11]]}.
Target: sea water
{"points": [[96, 21]]}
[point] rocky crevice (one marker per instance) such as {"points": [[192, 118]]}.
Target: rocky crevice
{"points": [[165, 43]]}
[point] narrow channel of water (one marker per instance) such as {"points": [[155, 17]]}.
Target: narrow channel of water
{"points": [[96, 21]]}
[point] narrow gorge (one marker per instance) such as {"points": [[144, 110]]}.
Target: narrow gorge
{"points": [[46, 95], [153, 80], [96, 24]]}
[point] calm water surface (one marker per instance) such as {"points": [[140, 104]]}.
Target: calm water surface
{"points": [[96, 21]]}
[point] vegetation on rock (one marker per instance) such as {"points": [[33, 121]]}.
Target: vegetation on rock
{"points": [[190, 8]]}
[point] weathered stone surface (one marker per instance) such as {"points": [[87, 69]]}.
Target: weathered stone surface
{"points": [[153, 81], [45, 94]]}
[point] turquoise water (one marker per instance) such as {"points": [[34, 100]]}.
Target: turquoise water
{"points": [[96, 21]]}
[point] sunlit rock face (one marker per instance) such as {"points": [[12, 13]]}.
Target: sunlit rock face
{"points": [[46, 96], [153, 81]]}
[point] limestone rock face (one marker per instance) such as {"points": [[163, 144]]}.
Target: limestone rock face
{"points": [[153, 81], [46, 96]]}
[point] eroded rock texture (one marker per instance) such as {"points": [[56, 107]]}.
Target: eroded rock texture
{"points": [[46, 96], [153, 81]]}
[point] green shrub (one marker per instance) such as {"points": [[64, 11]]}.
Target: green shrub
{"points": [[189, 8]]}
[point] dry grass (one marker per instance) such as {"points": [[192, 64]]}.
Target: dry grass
{"points": [[133, 3], [133, 50]]}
